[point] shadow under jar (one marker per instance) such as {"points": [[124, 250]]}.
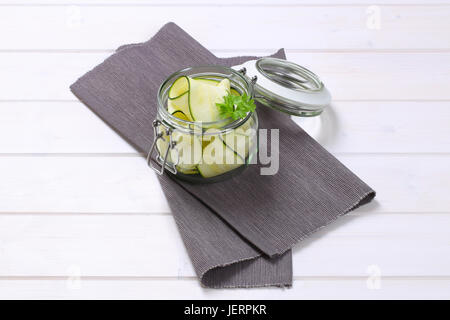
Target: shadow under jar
{"points": [[202, 152]]}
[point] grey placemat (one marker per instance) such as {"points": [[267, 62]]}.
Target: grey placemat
{"points": [[272, 213]]}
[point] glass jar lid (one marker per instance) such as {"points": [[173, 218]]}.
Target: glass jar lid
{"points": [[286, 86]]}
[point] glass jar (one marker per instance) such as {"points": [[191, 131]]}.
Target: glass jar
{"points": [[213, 151], [203, 151]]}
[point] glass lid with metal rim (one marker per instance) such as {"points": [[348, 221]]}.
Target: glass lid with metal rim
{"points": [[286, 86]]}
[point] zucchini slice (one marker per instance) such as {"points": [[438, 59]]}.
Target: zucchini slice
{"points": [[241, 139], [197, 97], [213, 82], [239, 143], [206, 171], [210, 134], [203, 98], [187, 152], [210, 82], [234, 92], [180, 104], [180, 115], [178, 99], [179, 87], [187, 169], [218, 159]]}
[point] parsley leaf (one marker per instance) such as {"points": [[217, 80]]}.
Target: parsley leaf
{"points": [[236, 106]]}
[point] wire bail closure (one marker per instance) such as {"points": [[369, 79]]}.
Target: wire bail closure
{"points": [[161, 161]]}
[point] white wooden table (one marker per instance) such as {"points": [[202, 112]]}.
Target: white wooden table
{"points": [[81, 215]]}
